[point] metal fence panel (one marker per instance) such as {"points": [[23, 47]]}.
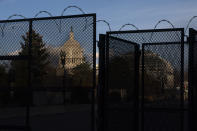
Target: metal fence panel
{"points": [[192, 76], [162, 75], [55, 57], [70, 47], [11, 36], [14, 95], [163, 87], [121, 84]]}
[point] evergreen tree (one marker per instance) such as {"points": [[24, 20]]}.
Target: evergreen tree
{"points": [[82, 75], [39, 61], [4, 83], [121, 75], [3, 76], [38, 67]]}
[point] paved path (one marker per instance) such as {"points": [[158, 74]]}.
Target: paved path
{"points": [[56, 118]]}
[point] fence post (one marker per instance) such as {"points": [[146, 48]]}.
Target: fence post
{"points": [[29, 88], [101, 85], [191, 95], [136, 90]]}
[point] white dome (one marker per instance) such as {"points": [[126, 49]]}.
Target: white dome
{"points": [[73, 51]]}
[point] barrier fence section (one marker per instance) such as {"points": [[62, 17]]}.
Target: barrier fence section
{"points": [[48, 68], [144, 73], [192, 77]]}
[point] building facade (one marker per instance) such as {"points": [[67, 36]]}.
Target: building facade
{"points": [[74, 54]]}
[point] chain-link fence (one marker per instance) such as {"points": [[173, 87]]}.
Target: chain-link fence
{"points": [[163, 90], [48, 76], [192, 76], [121, 83], [48, 67]]}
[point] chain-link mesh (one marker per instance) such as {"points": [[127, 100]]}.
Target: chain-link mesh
{"points": [[68, 65], [59, 73], [121, 84], [71, 49], [192, 77], [11, 37], [13, 83], [162, 85], [150, 36], [162, 76], [13, 96]]}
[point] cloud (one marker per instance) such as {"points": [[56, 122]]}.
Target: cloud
{"points": [[14, 53], [97, 55]]}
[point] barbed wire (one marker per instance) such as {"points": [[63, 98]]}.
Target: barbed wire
{"points": [[108, 24], [159, 22], [73, 6], [163, 20], [50, 14], [104, 21], [11, 16], [189, 22], [44, 11], [128, 24], [16, 15], [2, 28]]}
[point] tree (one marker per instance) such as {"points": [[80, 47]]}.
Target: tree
{"points": [[39, 62], [4, 95], [121, 72], [82, 75], [3, 76]]}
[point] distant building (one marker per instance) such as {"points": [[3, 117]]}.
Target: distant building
{"points": [[159, 68], [74, 54]]}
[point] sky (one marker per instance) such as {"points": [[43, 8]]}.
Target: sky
{"points": [[142, 13]]}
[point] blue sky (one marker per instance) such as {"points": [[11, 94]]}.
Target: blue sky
{"points": [[144, 14]]}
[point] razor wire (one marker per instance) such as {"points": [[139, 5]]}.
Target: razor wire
{"points": [[11, 16], [50, 14], [189, 22], [159, 22], [73, 6], [2, 28], [132, 25], [104, 21]]}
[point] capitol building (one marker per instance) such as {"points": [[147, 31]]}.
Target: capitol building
{"points": [[74, 54], [159, 68]]}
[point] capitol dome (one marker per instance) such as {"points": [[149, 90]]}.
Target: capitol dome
{"points": [[73, 54]]}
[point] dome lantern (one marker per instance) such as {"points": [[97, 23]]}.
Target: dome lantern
{"points": [[71, 33]]}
